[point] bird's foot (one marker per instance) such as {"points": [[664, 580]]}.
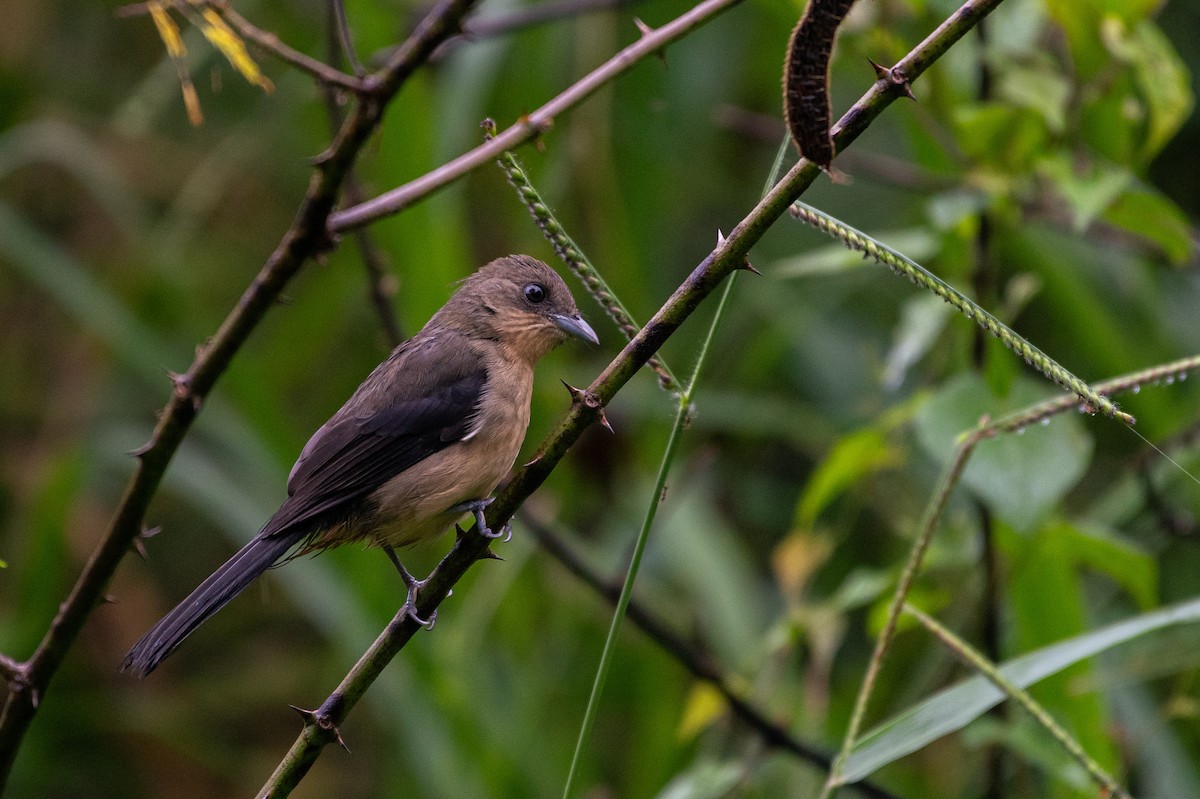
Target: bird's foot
{"points": [[476, 508], [414, 587]]}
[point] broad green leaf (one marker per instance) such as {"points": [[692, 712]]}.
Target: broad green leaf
{"points": [[705, 780], [1091, 192], [1043, 89], [952, 709], [1019, 476], [1045, 573], [1149, 215], [999, 135], [851, 459], [1161, 79], [1081, 20], [922, 320]]}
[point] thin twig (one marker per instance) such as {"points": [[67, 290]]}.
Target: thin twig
{"points": [[500, 24], [11, 669], [341, 25], [381, 284]]}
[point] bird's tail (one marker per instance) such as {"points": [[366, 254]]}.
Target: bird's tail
{"points": [[209, 597]]}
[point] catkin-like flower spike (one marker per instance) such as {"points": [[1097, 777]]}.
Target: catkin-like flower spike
{"points": [[1091, 399], [1132, 382], [574, 258]]}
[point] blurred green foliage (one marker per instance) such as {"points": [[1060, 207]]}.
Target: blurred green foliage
{"points": [[1049, 167]]}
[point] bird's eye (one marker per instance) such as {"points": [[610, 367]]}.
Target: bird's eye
{"points": [[535, 293]]}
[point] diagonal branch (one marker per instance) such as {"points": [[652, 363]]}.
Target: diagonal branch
{"points": [[587, 405], [305, 238]]}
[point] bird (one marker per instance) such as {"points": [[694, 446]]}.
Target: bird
{"points": [[423, 442]]}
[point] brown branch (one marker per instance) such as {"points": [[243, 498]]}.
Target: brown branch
{"points": [[305, 238]]}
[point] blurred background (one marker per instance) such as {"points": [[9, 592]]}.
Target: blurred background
{"points": [[1048, 168]]}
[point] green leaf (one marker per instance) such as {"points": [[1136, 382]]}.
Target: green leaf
{"points": [[922, 320], [999, 135], [1122, 561], [1160, 77], [1089, 193], [952, 709], [1042, 89], [851, 459], [1150, 216], [705, 780], [1021, 476]]}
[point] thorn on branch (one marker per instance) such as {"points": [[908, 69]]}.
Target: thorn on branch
{"points": [[139, 541], [646, 30], [589, 400], [140, 452], [180, 383], [895, 78], [488, 554], [315, 718]]}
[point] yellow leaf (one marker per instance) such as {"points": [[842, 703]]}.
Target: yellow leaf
{"points": [[795, 559], [191, 101], [168, 31], [224, 39], [704, 705]]}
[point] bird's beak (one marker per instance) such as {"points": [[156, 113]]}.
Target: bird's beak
{"points": [[575, 326]]}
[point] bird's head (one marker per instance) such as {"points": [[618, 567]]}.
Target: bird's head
{"points": [[520, 302]]}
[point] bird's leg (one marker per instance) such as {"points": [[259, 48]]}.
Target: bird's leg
{"points": [[476, 507], [413, 585]]}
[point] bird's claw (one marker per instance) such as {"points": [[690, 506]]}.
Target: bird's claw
{"points": [[476, 508], [414, 587]]}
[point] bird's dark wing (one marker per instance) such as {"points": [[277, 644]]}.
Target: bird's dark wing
{"points": [[422, 399]]}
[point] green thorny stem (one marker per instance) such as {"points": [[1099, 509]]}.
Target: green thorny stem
{"points": [[900, 264], [572, 256], [977, 661]]}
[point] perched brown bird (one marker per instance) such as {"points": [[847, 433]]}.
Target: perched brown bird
{"points": [[424, 440]]}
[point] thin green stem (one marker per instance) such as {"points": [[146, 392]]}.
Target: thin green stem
{"points": [[681, 418], [916, 555], [988, 669], [902, 265]]}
